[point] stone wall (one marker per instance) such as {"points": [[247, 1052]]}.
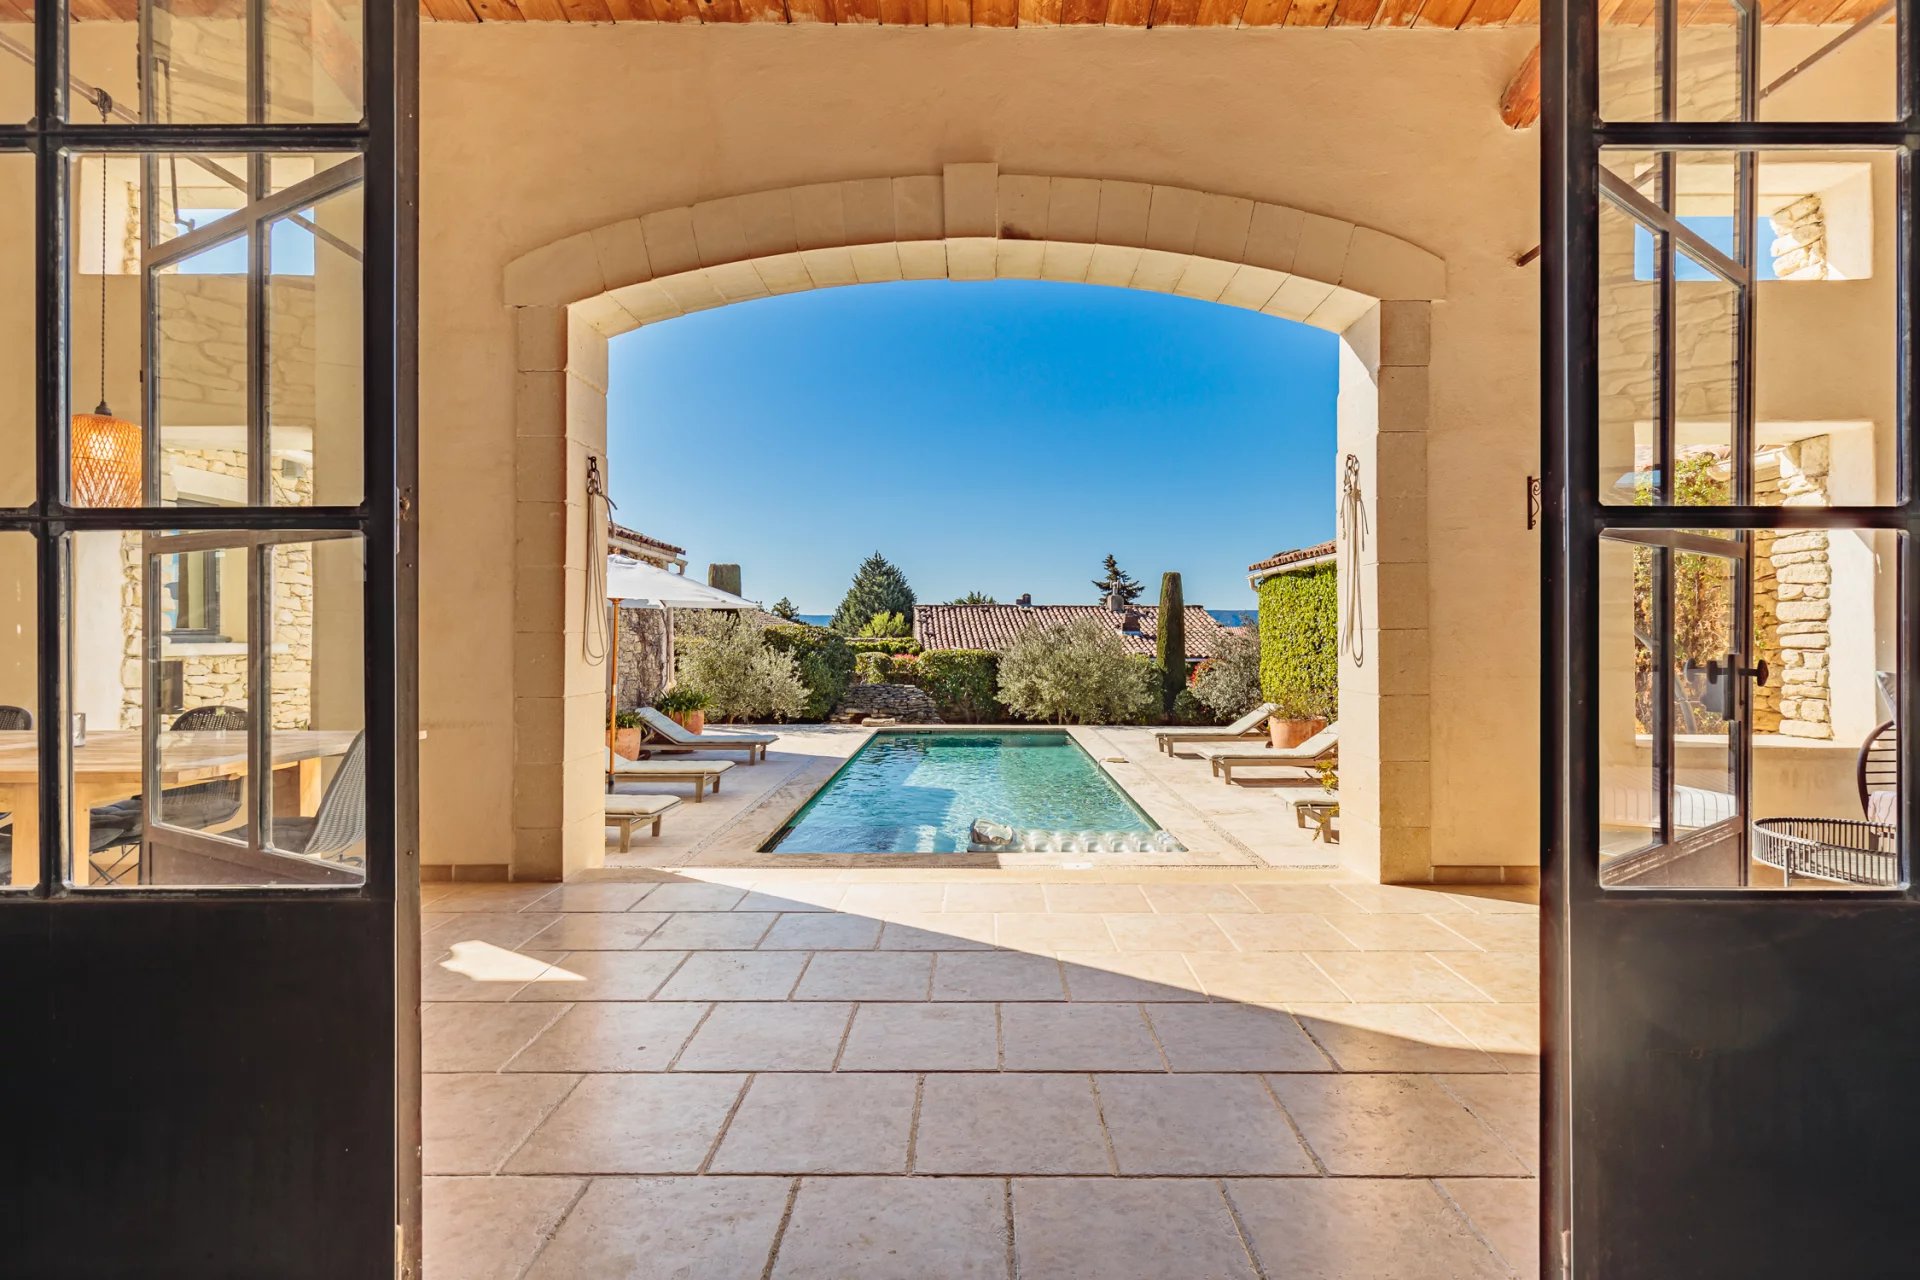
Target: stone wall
{"points": [[643, 644], [1792, 583], [903, 702]]}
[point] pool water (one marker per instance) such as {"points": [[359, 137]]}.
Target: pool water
{"points": [[921, 792]]}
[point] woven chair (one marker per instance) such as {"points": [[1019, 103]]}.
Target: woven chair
{"points": [[340, 823], [199, 806], [1878, 773], [14, 719]]}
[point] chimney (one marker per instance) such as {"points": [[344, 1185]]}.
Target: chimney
{"points": [[1116, 603], [724, 576], [1026, 600]]}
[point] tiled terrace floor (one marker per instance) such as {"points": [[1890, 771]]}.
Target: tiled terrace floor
{"points": [[1159, 1075]]}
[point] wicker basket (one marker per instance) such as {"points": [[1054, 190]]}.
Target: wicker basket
{"points": [[1840, 849]]}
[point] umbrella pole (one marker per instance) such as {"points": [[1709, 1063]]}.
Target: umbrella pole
{"points": [[666, 678], [613, 686]]}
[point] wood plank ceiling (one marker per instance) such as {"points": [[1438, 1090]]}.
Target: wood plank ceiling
{"points": [[1446, 14]]}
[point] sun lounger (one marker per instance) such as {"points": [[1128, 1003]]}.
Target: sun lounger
{"points": [[628, 812], [662, 733], [1250, 725], [1321, 746], [701, 773]]}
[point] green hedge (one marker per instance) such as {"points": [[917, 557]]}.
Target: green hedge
{"points": [[963, 683], [1299, 643], [873, 668], [826, 664], [883, 644]]}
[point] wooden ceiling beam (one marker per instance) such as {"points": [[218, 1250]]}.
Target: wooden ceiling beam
{"points": [[1520, 104]]}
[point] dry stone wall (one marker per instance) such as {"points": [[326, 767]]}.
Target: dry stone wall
{"points": [[1792, 606]]}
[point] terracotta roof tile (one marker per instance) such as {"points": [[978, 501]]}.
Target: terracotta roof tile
{"points": [[634, 535], [994, 626], [1318, 551]]}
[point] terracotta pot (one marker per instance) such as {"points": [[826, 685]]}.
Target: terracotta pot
{"points": [[691, 721], [1291, 733], [625, 743]]}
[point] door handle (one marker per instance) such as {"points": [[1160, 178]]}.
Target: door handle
{"points": [[1758, 671]]}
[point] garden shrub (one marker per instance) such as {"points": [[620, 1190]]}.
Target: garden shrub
{"points": [[826, 664], [887, 626], [873, 668], [1078, 672], [883, 644], [963, 683], [1299, 643], [742, 676], [1228, 683]]}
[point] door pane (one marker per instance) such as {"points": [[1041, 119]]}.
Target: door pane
{"points": [[313, 336], [19, 713], [317, 803], [16, 60], [19, 351], [1630, 817], [199, 69]]}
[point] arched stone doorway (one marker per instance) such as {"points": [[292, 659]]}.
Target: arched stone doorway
{"points": [[971, 222]]}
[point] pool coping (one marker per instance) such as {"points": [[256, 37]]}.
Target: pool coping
{"points": [[738, 842]]}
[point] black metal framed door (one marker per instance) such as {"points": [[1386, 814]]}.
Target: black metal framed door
{"points": [[1729, 1043], [209, 894]]}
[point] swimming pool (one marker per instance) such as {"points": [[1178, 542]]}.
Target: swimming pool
{"points": [[921, 791]]}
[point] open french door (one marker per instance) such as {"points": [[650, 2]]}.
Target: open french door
{"points": [[209, 889], [1730, 1042]]}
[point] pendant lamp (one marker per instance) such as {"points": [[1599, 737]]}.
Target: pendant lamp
{"points": [[104, 450]]}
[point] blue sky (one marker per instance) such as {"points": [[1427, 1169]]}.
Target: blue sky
{"points": [[1001, 437]]}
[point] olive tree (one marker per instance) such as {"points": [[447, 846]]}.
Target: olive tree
{"points": [[1077, 672]]}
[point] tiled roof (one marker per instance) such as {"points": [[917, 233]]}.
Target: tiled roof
{"points": [[994, 626], [621, 531], [1318, 551]]}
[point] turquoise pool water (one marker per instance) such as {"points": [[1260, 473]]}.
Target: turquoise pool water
{"points": [[921, 792]]}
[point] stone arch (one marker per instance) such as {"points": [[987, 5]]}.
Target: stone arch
{"points": [[968, 222]]}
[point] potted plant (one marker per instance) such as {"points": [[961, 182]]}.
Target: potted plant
{"points": [[624, 737], [1292, 724], [685, 707]]}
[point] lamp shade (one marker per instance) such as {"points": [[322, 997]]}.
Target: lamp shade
{"points": [[104, 456]]}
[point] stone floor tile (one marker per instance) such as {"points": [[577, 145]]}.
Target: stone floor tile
{"points": [[1186, 933], [1043, 932], [611, 1036], [491, 896], [1296, 899], [820, 1123], [1009, 1123], [1398, 932], [688, 1228], [1500, 932], [1125, 1229], [1502, 899], [1129, 976], [603, 975], [996, 898], [1400, 899], [1262, 977], [1358, 1229], [691, 895], [473, 1122], [758, 1035], [599, 930], [864, 975], [996, 975], [1392, 977], [478, 1036], [631, 1124], [896, 1229], [1506, 1212], [601, 896], [1510, 1032], [1098, 899], [892, 901], [1076, 1037], [1233, 1037], [921, 1037], [1510, 977], [1390, 1037], [712, 931], [939, 931], [1507, 1104], [490, 1228], [481, 971], [1390, 1125], [1197, 899], [735, 975], [1202, 1125], [822, 931], [1278, 932], [510, 930], [824, 895]]}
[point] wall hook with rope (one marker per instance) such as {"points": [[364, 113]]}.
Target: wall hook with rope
{"points": [[1353, 538], [600, 507]]}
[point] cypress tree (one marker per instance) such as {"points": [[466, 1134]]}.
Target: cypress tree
{"points": [[1170, 641], [878, 587]]}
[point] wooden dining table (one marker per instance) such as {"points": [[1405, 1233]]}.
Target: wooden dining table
{"points": [[110, 766]]}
